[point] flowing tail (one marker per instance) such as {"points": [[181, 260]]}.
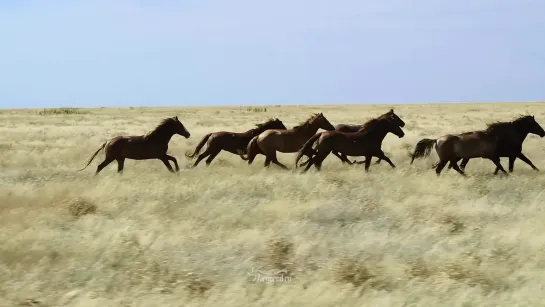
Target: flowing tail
{"points": [[91, 159], [199, 146], [423, 149], [306, 149], [252, 150]]}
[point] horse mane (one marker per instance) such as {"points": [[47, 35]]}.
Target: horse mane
{"points": [[307, 122], [269, 121], [496, 126], [372, 125], [261, 125], [160, 127]]}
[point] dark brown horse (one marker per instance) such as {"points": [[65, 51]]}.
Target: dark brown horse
{"points": [[512, 147], [286, 141], [476, 144], [153, 145], [366, 142], [233, 142], [356, 128]]}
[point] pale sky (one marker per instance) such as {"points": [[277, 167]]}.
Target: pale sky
{"points": [[246, 52]]}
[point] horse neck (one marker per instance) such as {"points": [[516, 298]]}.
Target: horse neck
{"points": [[308, 130], [376, 133], [256, 131], [161, 135], [522, 132]]}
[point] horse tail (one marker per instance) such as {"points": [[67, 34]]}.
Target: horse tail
{"points": [[423, 149], [199, 146], [94, 155], [306, 149], [252, 150]]}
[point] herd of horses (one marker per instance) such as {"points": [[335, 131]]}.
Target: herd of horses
{"points": [[499, 139]]}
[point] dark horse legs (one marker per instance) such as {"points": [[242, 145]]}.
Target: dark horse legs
{"points": [[210, 153], [105, 163], [512, 159]]}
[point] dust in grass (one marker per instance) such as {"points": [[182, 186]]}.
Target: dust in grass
{"points": [[80, 206]]}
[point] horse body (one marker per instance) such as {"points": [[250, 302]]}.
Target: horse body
{"points": [[511, 146], [153, 145], [233, 142], [285, 141], [366, 142], [495, 140], [349, 128]]}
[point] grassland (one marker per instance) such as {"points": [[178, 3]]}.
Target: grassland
{"points": [[392, 237]]}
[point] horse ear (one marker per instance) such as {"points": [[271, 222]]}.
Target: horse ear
{"points": [[176, 117], [391, 111]]}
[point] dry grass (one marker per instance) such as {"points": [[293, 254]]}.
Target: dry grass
{"points": [[391, 237]]}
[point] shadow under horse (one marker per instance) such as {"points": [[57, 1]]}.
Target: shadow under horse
{"points": [[270, 141], [153, 145], [485, 144], [366, 142], [512, 147], [233, 142], [355, 128]]}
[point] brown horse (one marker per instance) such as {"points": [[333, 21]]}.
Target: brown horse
{"points": [[285, 141], [476, 144], [356, 128], [153, 145], [232, 142], [366, 142], [512, 147]]}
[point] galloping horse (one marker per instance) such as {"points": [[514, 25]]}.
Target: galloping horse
{"points": [[285, 141], [232, 142], [153, 145], [356, 128], [512, 147], [477, 144], [366, 142]]}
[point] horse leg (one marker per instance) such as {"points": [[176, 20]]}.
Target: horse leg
{"points": [[120, 165], [211, 156], [267, 161], [165, 162], [497, 162], [465, 161], [454, 163], [367, 162], [382, 156], [274, 160], [310, 162], [440, 165], [171, 158], [104, 163], [525, 159], [319, 158], [203, 155], [342, 157]]}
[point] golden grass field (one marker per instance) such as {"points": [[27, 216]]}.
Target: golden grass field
{"points": [[391, 237]]}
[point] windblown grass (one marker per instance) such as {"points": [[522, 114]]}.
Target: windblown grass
{"points": [[340, 237]]}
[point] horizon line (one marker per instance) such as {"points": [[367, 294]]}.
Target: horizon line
{"points": [[276, 105]]}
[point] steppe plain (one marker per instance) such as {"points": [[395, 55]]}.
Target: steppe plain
{"points": [[390, 237]]}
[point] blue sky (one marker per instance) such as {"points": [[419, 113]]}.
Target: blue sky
{"points": [[248, 52]]}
